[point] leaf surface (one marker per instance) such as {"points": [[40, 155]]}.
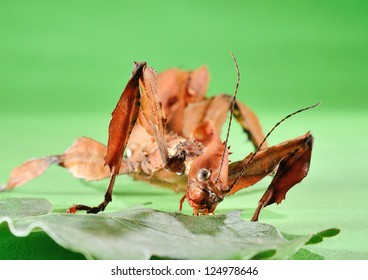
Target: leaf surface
{"points": [[141, 233]]}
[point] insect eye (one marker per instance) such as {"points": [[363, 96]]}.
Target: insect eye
{"points": [[203, 174]]}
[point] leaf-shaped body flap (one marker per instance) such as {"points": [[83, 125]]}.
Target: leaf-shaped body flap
{"points": [[152, 109], [123, 119]]}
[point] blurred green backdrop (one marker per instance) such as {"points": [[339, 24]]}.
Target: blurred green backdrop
{"points": [[63, 65]]}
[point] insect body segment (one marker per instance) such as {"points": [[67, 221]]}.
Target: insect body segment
{"points": [[206, 180], [169, 132]]}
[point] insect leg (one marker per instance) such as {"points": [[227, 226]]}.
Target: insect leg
{"points": [[84, 159], [291, 158], [121, 125], [101, 207], [291, 170]]}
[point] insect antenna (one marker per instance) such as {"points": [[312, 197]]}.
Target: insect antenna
{"points": [[264, 140], [231, 114]]}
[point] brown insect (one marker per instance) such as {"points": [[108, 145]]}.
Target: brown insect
{"points": [[166, 132]]}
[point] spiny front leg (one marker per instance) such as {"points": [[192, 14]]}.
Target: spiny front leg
{"points": [[291, 158], [121, 125], [291, 170], [101, 207]]}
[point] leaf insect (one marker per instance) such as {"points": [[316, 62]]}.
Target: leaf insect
{"points": [[166, 132]]}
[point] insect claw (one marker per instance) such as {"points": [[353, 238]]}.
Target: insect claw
{"points": [[90, 210], [72, 209]]}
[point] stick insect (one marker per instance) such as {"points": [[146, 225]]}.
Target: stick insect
{"points": [[166, 132]]}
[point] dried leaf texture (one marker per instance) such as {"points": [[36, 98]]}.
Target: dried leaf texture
{"points": [[292, 170], [28, 171], [152, 109], [176, 88], [263, 163], [123, 119], [214, 109], [85, 159]]}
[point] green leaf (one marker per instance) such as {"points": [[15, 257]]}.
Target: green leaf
{"points": [[142, 233], [16, 208], [318, 237]]}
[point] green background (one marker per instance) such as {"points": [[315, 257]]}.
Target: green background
{"points": [[63, 65]]}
